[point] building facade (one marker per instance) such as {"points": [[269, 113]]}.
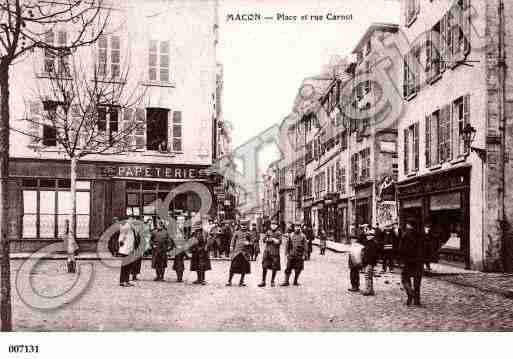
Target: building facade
{"points": [[172, 55], [455, 134]]}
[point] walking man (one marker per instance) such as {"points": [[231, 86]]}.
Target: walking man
{"points": [[241, 253], [160, 244], [295, 251], [355, 264], [271, 256], [126, 251], [255, 242], [370, 259], [322, 241], [308, 232], [200, 259], [411, 250]]}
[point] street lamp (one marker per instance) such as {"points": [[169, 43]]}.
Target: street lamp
{"points": [[469, 135]]}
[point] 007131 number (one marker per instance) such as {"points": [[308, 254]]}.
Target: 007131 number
{"points": [[23, 349]]}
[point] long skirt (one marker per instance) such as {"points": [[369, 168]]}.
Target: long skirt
{"points": [[200, 261], [178, 264], [240, 265], [271, 262], [159, 260]]}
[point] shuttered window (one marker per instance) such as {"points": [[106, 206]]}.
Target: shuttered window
{"points": [[177, 131]]}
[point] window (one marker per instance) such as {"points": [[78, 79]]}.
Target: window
{"points": [[158, 61], [108, 120], [411, 72], [365, 164], [461, 116], [432, 130], [177, 131], [157, 129], [47, 205], [109, 56], [411, 10], [343, 180], [444, 134], [411, 148], [354, 168], [56, 61], [49, 136], [433, 52]]}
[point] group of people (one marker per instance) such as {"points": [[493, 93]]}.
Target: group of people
{"points": [[411, 249]]}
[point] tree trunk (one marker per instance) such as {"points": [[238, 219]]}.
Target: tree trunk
{"points": [[73, 175], [5, 265]]}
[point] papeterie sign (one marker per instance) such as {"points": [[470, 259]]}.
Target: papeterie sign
{"points": [[154, 171]]}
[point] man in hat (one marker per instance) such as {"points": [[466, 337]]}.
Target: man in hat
{"points": [[255, 242], [241, 245], [271, 256], [308, 232], [295, 251], [411, 253], [200, 260], [369, 260]]}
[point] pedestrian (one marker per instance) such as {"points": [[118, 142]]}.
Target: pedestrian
{"points": [[179, 255], [70, 246], [255, 241], [369, 261], [355, 264], [135, 268], [429, 247], [412, 257], [308, 232], [322, 241], [241, 247], [113, 243], [396, 238], [295, 251], [387, 250], [271, 257], [200, 260], [227, 238], [160, 244], [126, 251]]}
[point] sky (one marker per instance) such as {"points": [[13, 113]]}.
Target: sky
{"points": [[264, 62]]}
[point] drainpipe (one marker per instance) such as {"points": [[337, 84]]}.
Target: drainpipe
{"points": [[502, 120]]}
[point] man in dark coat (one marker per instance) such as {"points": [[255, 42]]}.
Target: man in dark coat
{"points": [[241, 246], [160, 244], [255, 242], [226, 239], [200, 260], [388, 250], [271, 257], [411, 252], [295, 250], [430, 247], [308, 232]]}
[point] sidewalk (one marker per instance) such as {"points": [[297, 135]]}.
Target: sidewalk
{"points": [[498, 283]]}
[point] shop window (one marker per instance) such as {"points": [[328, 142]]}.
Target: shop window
{"points": [[49, 204], [156, 129]]}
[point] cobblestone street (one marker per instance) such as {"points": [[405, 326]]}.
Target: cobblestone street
{"points": [[322, 302]]}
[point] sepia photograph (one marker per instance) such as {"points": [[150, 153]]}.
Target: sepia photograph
{"points": [[255, 166]]}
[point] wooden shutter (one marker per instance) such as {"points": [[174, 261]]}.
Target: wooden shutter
{"points": [[466, 118], [405, 151], [443, 43], [467, 13], [429, 54], [427, 142], [405, 76], [35, 127], [128, 128], [435, 133], [140, 130], [177, 131], [416, 145], [455, 129]]}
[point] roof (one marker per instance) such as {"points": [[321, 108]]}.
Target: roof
{"points": [[387, 27]]}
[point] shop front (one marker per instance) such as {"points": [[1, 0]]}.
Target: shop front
{"points": [[441, 200], [362, 205], [40, 198], [331, 225]]}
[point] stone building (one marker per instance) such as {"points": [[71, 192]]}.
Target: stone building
{"points": [[455, 135], [171, 47]]}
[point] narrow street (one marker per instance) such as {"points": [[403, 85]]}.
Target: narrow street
{"points": [[321, 303]]}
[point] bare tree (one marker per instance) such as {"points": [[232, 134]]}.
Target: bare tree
{"points": [[85, 109], [23, 25]]}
